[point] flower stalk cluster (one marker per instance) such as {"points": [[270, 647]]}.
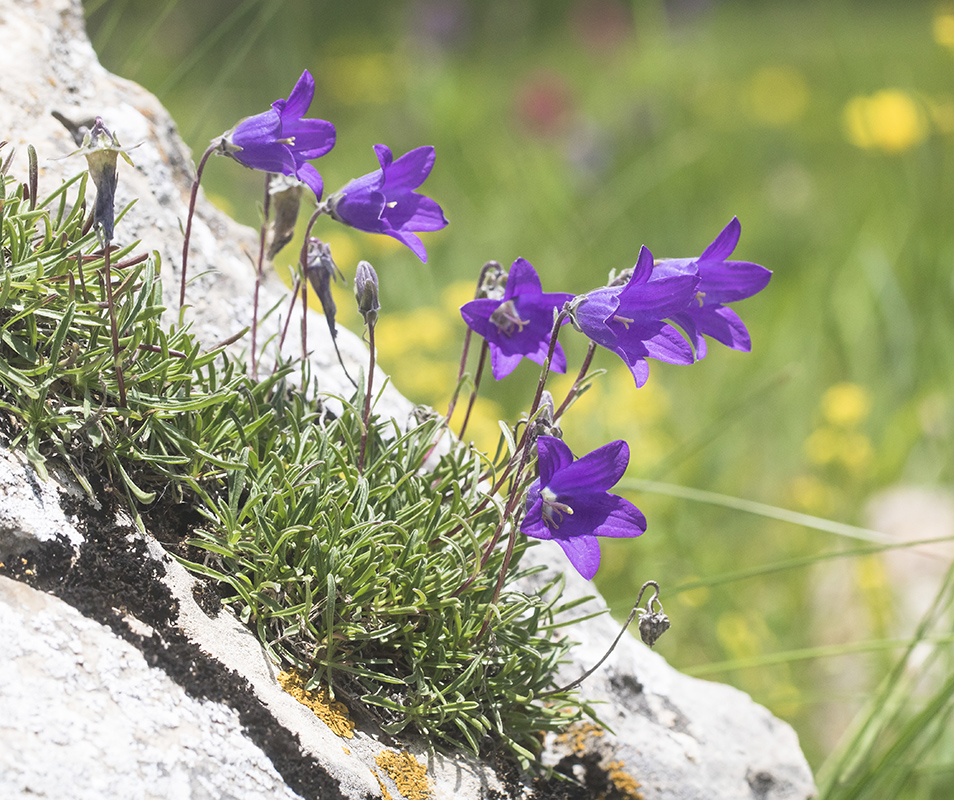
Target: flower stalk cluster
{"points": [[660, 309]]}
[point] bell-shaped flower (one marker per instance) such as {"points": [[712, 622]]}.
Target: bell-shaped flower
{"points": [[384, 201], [720, 281], [629, 319], [518, 325], [281, 140], [570, 504]]}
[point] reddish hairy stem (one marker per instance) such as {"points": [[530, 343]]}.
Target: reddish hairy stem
{"points": [[473, 394], [114, 333], [266, 207], [574, 389], [188, 230], [367, 400]]}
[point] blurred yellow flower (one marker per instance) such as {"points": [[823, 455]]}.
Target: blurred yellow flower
{"points": [[343, 250], [423, 330], [823, 446], [455, 295], [628, 406], [778, 95], [846, 404], [890, 120], [829, 445], [368, 78], [856, 452], [870, 573], [736, 635], [694, 598], [811, 495], [944, 28], [423, 380]]}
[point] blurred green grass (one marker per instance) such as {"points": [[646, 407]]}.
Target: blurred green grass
{"points": [[570, 133]]}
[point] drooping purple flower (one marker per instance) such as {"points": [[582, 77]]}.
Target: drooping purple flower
{"points": [[281, 140], [629, 319], [384, 201], [570, 504], [519, 325], [720, 281]]}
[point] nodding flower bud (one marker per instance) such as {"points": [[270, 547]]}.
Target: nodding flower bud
{"points": [[102, 149], [366, 292], [285, 194], [544, 424], [493, 282], [321, 270]]}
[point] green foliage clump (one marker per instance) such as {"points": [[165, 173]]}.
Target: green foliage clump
{"points": [[378, 582]]}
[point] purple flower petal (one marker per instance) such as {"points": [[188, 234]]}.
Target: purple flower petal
{"points": [[728, 281], [519, 325], [300, 98], [553, 455], [280, 141], [410, 170], [569, 502], [723, 245], [384, 202], [594, 472], [584, 554]]}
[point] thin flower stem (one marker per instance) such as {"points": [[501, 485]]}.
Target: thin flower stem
{"points": [[574, 389], [467, 337], [266, 207], [188, 230], [114, 333], [291, 308], [304, 328], [485, 348], [367, 400], [490, 265], [544, 374], [612, 647], [303, 281], [460, 374]]}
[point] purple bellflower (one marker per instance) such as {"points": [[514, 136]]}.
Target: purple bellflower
{"points": [[629, 319], [384, 201], [570, 504], [519, 325], [280, 140], [720, 281]]}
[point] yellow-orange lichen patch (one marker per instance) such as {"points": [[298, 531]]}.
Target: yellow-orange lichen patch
{"points": [[408, 775], [385, 794], [625, 783], [576, 736], [332, 712]]}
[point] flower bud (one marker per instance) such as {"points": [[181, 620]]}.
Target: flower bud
{"points": [[101, 149], [285, 194], [544, 424], [366, 292], [321, 270], [493, 282]]}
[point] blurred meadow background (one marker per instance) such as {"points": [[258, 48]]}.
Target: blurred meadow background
{"points": [[778, 484]]}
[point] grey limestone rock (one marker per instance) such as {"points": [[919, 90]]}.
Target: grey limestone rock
{"points": [[112, 705]]}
